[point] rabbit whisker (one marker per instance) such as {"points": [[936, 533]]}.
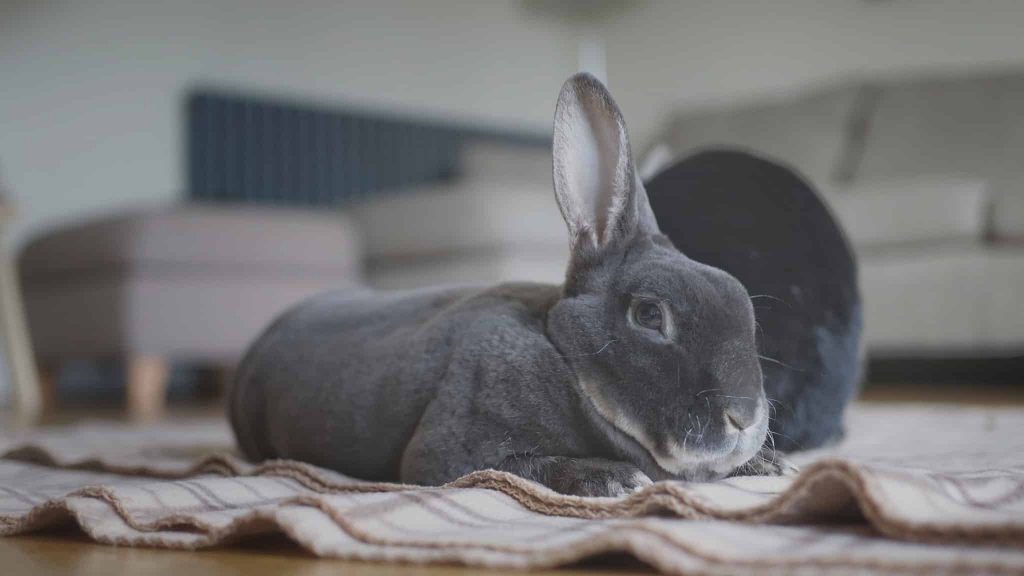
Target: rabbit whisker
{"points": [[771, 438], [790, 438], [779, 362], [601, 349], [735, 397], [777, 404], [770, 297]]}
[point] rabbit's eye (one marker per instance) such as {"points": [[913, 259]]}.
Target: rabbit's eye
{"points": [[648, 315]]}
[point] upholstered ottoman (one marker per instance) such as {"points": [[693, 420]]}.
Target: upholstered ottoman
{"points": [[191, 282]]}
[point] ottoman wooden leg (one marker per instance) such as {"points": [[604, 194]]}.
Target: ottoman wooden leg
{"points": [[222, 378], [50, 399], [147, 386]]}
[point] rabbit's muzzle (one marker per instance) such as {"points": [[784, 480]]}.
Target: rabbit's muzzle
{"points": [[720, 434], [717, 441]]}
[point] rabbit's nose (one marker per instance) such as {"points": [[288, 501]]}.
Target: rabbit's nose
{"points": [[741, 414]]}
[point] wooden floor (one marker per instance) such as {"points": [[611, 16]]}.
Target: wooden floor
{"points": [[72, 553], [959, 394]]}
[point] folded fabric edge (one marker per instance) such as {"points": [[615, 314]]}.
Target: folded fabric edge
{"points": [[649, 545], [849, 484]]}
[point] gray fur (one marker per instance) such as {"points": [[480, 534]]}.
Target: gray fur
{"points": [[559, 384]]}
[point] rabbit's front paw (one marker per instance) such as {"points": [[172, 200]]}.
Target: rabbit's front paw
{"points": [[594, 477], [767, 463]]}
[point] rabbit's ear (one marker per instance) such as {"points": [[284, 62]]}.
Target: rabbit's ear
{"points": [[596, 185]]}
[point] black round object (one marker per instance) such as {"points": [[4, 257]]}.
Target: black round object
{"points": [[762, 223]]}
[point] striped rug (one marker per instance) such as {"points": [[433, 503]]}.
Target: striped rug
{"points": [[919, 490]]}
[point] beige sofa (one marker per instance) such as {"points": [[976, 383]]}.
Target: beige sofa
{"points": [[926, 176]]}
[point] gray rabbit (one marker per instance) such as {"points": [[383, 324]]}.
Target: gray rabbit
{"points": [[642, 366]]}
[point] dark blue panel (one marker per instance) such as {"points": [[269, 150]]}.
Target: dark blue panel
{"points": [[262, 150]]}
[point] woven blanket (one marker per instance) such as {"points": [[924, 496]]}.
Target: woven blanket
{"points": [[912, 490]]}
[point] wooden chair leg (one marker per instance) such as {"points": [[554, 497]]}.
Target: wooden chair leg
{"points": [[16, 346], [147, 386]]}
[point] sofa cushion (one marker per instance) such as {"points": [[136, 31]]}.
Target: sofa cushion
{"points": [[960, 300], [200, 237], [503, 200], [498, 222], [488, 266], [485, 162], [463, 217], [912, 210]]}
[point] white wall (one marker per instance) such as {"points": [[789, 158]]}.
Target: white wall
{"points": [[90, 90], [669, 54]]}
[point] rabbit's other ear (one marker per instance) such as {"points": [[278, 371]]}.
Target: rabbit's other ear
{"points": [[596, 184]]}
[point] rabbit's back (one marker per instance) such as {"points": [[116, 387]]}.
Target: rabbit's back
{"points": [[329, 381]]}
